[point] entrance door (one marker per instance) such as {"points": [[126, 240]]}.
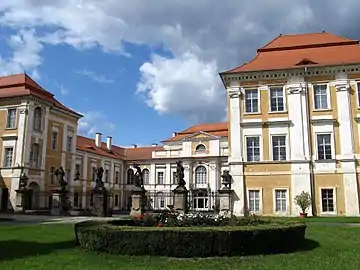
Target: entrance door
{"points": [[28, 199], [4, 199]]}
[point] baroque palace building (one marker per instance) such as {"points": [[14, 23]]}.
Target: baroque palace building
{"points": [[294, 113], [293, 126]]}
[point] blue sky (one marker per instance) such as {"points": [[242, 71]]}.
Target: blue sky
{"points": [[139, 70]]}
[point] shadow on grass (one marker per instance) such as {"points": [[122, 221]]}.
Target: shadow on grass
{"points": [[5, 219], [306, 245], [16, 249]]}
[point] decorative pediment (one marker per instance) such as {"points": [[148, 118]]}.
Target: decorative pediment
{"points": [[201, 136], [305, 61]]}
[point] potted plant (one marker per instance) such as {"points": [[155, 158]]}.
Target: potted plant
{"points": [[303, 200]]}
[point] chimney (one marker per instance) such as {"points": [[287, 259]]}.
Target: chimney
{"points": [[98, 139], [154, 144], [134, 146], [109, 143], [174, 134]]}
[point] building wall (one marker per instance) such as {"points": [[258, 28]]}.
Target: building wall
{"points": [[300, 122]]}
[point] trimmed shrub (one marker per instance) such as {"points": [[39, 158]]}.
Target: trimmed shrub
{"points": [[189, 241]]}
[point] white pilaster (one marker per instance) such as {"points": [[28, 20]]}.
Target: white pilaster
{"points": [[23, 113], [85, 178], [152, 179], [235, 154], [63, 145], [238, 198]]}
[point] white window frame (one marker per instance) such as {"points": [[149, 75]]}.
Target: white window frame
{"points": [[286, 146], [7, 118], [148, 182], [93, 173], [327, 96], [260, 200], [35, 157], [258, 107], [69, 143], [281, 213], [117, 177], [332, 141], [284, 98], [173, 178], [203, 150], [52, 170], [204, 173], [322, 212], [107, 175], [12, 156], [35, 127], [52, 140], [357, 88], [163, 178], [246, 149]]}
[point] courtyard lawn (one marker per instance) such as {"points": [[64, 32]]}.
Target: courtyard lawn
{"points": [[52, 247]]}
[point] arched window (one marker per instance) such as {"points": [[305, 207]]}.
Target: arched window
{"points": [[146, 176], [200, 148], [200, 175], [38, 119], [35, 155], [130, 177]]}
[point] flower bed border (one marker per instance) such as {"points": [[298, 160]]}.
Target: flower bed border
{"points": [[190, 241]]}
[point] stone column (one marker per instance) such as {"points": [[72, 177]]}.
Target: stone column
{"points": [[138, 198], [59, 201], [100, 206], [181, 199], [225, 196], [20, 201]]}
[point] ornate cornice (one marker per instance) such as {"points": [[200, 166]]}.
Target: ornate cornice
{"points": [[297, 88], [288, 73], [341, 85], [323, 121], [268, 123], [235, 92]]}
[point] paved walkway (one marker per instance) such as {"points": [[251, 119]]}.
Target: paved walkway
{"points": [[19, 220]]}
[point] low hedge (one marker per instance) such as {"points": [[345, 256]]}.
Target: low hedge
{"points": [[189, 241]]}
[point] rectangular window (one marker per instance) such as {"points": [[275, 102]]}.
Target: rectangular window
{"points": [[106, 175], [320, 97], [76, 199], [69, 143], [78, 169], [11, 118], [160, 178], [277, 100], [116, 200], [327, 200], [174, 178], [54, 140], [358, 93], [116, 177], [251, 101], [253, 148], [94, 173], [8, 156], [279, 147], [52, 175], [324, 146], [280, 200], [162, 202], [254, 200]]}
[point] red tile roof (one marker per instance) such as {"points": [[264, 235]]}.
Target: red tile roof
{"points": [[295, 51], [23, 85], [145, 153], [216, 129]]}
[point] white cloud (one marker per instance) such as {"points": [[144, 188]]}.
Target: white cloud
{"points": [[92, 122], [95, 76], [185, 85], [25, 56], [202, 35], [63, 90]]}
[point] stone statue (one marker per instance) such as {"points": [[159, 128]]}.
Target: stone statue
{"points": [[60, 174], [139, 181], [226, 179], [99, 175], [180, 174], [23, 181]]}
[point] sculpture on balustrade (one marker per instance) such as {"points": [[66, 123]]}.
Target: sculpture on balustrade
{"points": [[180, 174], [99, 182], [226, 179], [139, 180], [60, 174]]}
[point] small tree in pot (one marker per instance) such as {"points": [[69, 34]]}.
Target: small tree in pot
{"points": [[303, 200]]}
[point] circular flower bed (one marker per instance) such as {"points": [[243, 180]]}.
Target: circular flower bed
{"points": [[171, 234]]}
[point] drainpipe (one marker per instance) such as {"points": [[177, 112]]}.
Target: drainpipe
{"points": [[311, 162]]}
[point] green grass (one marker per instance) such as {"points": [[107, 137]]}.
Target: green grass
{"points": [[337, 219], [52, 247]]}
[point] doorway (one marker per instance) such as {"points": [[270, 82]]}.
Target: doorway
{"points": [[4, 199]]}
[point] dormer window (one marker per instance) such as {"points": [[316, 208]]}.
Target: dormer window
{"points": [[38, 119], [200, 148]]}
